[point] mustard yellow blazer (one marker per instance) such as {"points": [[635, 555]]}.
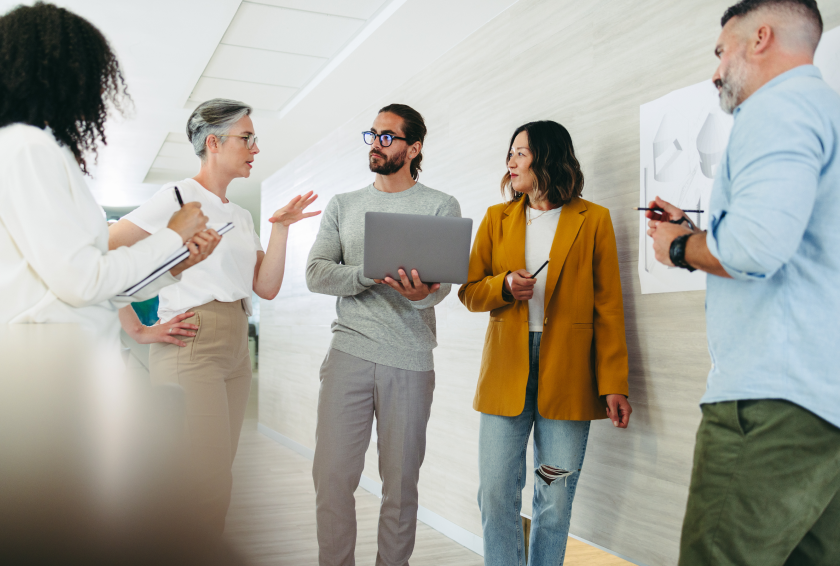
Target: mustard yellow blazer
{"points": [[583, 353]]}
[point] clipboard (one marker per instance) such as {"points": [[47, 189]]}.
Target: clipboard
{"points": [[170, 262]]}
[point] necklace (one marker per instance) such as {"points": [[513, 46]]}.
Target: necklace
{"points": [[530, 219]]}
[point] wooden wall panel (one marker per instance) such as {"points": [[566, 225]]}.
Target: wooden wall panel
{"points": [[589, 66]]}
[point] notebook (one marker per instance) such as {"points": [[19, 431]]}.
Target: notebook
{"points": [[173, 260]]}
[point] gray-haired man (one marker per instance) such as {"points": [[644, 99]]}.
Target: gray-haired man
{"points": [[381, 357], [765, 488]]}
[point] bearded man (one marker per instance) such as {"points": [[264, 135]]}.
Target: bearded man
{"points": [[380, 361], [765, 487]]}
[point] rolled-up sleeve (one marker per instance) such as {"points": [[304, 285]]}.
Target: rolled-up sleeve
{"points": [[774, 167]]}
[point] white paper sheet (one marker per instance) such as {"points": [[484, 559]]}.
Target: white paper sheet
{"points": [[683, 136]]}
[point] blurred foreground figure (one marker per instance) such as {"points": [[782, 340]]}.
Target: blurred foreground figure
{"points": [[58, 81], [90, 464]]}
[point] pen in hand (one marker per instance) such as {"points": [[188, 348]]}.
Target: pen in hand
{"points": [[178, 196], [534, 276], [657, 209]]}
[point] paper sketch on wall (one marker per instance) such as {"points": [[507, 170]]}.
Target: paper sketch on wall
{"points": [[683, 137]]}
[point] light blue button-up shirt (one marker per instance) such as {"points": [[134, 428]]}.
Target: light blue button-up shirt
{"points": [[774, 329]]}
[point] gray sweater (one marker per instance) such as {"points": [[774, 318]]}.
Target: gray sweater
{"points": [[375, 323]]}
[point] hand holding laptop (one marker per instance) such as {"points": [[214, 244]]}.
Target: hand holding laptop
{"points": [[437, 247], [411, 288]]}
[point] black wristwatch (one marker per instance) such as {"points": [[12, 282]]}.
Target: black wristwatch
{"points": [[677, 251]]}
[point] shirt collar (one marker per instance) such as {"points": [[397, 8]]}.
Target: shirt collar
{"points": [[800, 71]]}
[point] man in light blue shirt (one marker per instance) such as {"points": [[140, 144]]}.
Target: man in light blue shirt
{"points": [[765, 487]]}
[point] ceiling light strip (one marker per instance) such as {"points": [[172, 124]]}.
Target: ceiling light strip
{"points": [[304, 11], [366, 32]]}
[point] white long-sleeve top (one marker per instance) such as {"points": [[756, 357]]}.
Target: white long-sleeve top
{"points": [[539, 236], [55, 266]]}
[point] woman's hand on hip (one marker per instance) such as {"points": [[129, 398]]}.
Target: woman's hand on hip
{"points": [[294, 211], [618, 410], [520, 284], [167, 331], [201, 246]]}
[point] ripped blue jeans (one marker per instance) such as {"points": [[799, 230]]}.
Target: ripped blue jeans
{"points": [[502, 446]]}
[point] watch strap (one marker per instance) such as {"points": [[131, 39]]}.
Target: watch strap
{"points": [[677, 252]]}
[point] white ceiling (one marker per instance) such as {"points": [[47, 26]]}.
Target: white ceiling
{"points": [[306, 66], [262, 66], [361, 9], [290, 30], [269, 52]]}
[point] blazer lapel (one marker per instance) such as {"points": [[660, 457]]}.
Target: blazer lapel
{"points": [[513, 235], [568, 227]]}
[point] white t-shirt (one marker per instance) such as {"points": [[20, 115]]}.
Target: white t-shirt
{"points": [[538, 239], [228, 274]]}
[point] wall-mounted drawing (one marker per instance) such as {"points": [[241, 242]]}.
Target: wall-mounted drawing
{"points": [[670, 161], [711, 143], [683, 137]]}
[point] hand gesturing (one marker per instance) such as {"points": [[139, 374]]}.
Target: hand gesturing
{"points": [[294, 211]]}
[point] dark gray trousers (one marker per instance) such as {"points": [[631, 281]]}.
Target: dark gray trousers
{"points": [[352, 391]]}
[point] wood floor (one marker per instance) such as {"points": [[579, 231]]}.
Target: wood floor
{"points": [[272, 513]]}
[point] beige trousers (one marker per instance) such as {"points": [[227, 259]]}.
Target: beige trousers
{"points": [[214, 369], [353, 390]]}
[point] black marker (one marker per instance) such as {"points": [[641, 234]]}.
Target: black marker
{"points": [[540, 269], [657, 209], [178, 196]]}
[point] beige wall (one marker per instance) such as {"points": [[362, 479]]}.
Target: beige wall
{"points": [[588, 65]]}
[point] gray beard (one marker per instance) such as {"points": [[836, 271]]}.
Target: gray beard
{"points": [[732, 87]]}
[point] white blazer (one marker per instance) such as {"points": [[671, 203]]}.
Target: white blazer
{"points": [[55, 266]]}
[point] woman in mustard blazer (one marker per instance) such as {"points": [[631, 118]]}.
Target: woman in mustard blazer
{"points": [[555, 355]]}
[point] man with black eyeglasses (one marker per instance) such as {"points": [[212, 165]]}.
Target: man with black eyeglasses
{"points": [[380, 361]]}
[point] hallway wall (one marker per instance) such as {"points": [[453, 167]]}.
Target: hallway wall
{"points": [[588, 65]]}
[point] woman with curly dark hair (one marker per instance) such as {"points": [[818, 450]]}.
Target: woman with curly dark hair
{"points": [[58, 76], [555, 356]]}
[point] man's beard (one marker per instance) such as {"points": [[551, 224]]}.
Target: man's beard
{"points": [[732, 86], [388, 165]]}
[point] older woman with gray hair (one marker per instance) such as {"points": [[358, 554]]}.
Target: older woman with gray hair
{"points": [[201, 339]]}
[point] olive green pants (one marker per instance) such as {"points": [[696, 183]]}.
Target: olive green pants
{"points": [[765, 488]]}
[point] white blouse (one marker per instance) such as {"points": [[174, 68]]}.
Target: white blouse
{"points": [[539, 237], [55, 266]]}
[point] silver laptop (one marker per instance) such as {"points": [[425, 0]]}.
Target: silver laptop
{"points": [[438, 247]]}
